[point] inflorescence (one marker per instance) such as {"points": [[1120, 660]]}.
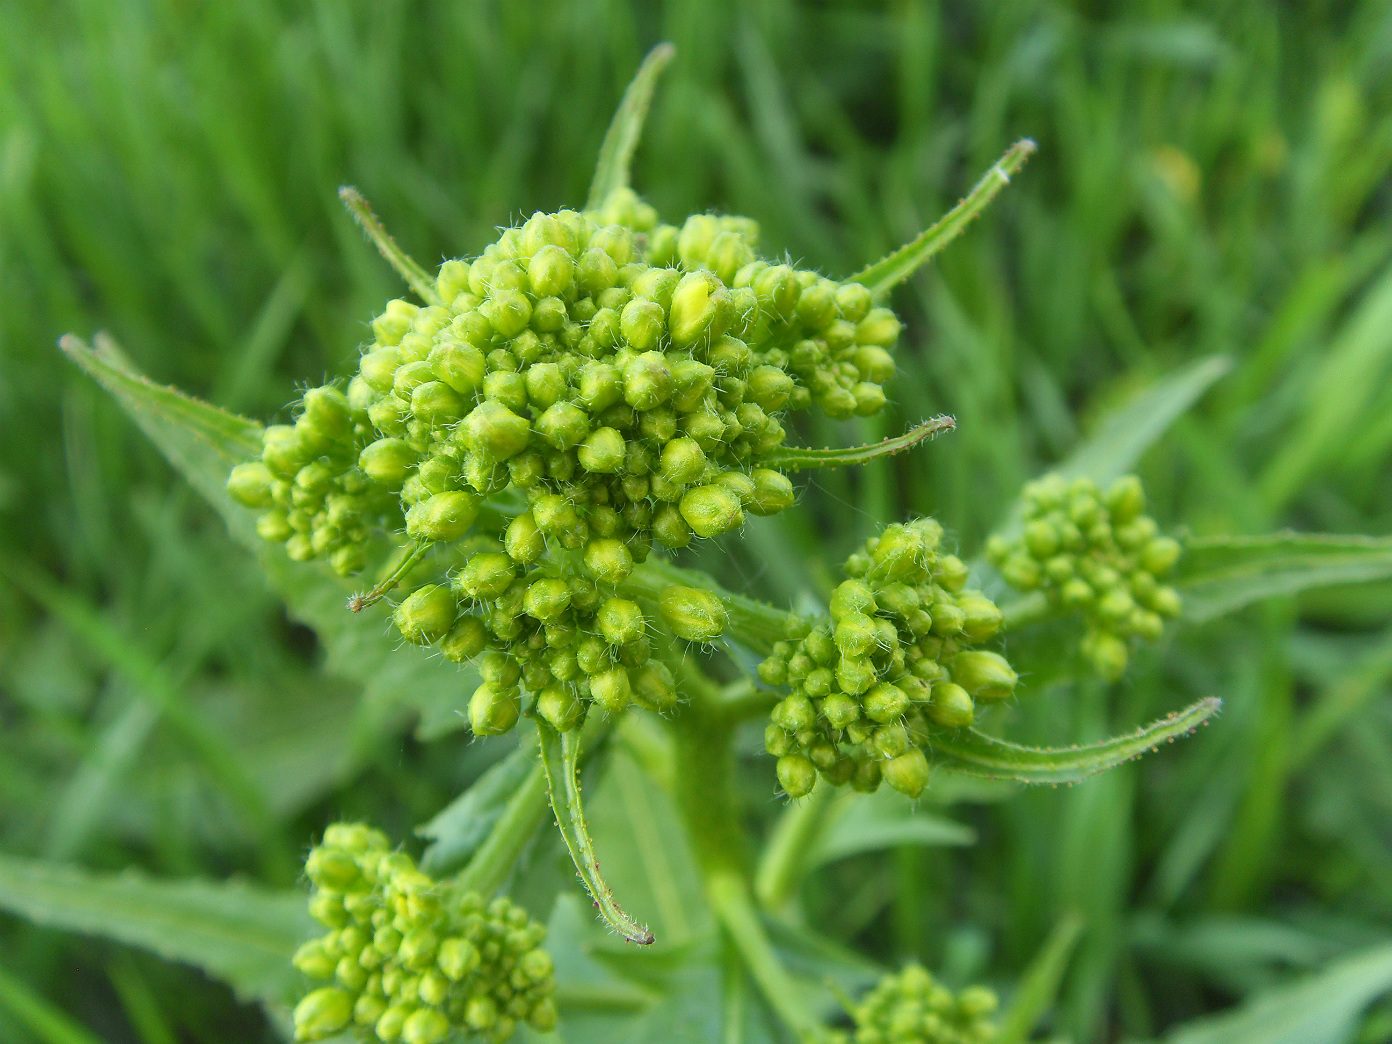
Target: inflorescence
{"points": [[894, 661], [411, 958], [592, 384], [914, 1008], [1097, 553]]}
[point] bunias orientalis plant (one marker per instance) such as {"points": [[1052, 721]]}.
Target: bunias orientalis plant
{"points": [[512, 460]]}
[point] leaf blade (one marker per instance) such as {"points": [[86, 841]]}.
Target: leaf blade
{"points": [[974, 754], [800, 459], [621, 139]]}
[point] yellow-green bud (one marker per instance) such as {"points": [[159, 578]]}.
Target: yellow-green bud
{"points": [[816, 305], [647, 381], [282, 450], [880, 327], [444, 516], [856, 634], [796, 775], [1106, 652], [985, 675], [983, 616], [852, 598], [486, 575], [322, 1013], [368, 1008], [425, 1026], [653, 686], [311, 960], [693, 613], [1125, 499], [682, 461], [551, 271], [251, 484], [854, 301], [558, 705], [711, 510], [695, 305], [602, 451], [493, 431], [669, 528], [951, 706], [509, 311], [642, 322], [547, 599], [493, 710], [885, 703], [1160, 555], [387, 462], [388, 1027], [1166, 601], [620, 621], [481, 1012], [465, 640], [426, 614], [611, 689], [908, 773], [563, 424], [457, 957], [609, 560]]}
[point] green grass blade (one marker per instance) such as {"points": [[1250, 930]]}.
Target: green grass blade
{"points": [[620, 141], [49, 1023], [972, 753], [1039, 986], [1320, 1009], [1219, 575], [1126, 433], [796, 459], [416, 277], [559, 754], [236, 932], [888, 272]]}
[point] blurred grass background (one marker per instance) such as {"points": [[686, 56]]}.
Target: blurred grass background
{"points": [[1212, 178]]}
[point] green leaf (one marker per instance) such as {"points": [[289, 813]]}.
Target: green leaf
{"points": [[620, 141], [46, 1021], [975, 754], [416, 277], [1221, 574], [1038, 987], [203, 443], [892, 269], [559, 754], [792, 458], [465, 823], [1320, 1009], [1126, 432], [237, 932], [873, 822]]}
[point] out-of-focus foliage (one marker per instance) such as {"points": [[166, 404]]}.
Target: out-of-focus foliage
{"points": [[1211, 180]]}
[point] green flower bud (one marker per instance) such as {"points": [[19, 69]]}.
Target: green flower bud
{"points": [[310, 959], [547, 599], [551, 271], [611, 690], [1166, 602], [425, 1026], [387, 462], [368, 1008], [389, 1026], [459, 365], [682, 461], [1160, 555], [486, 575], [282, 451], [692, 613], [620, 621], [885, 703], [558, 705], [378, 368], [444, 516], [251, 484], [653, 686], [322, 1013], [948, 620], [328, 910], [494, 432], [770, 387], [855, 674], [426, 614], [331, 869], [642, 323], [493, 710], [457, 957], [816, 307], [508, 310], [985, 675], [507, 388], [856, 635], [545, 385], [696, 303], [711, 510], [602, 452], [669, 528], [796, 775], [563, 425], [982, 616], [327, 411], [350, 972], [951, 706], [880, 327], [1106, 652], [600, 386], [1125, 499], [647, 381], [523, 539], [609, 560], [908, 773]]}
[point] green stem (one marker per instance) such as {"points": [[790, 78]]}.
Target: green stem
{"points": [[782, 866], [704, 769], [525, 811], [757, 624], [416, 277]]}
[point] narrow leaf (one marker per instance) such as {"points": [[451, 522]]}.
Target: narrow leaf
{"points": [[795, 459], [1221, 574], [974, 754], [1038, 987], [893, 269], [234, 931], [860, 823], [1127, 432], [620, 141], [416, 277], [464, 824], [559, 755], [46, 1021], [1320, 1009]]}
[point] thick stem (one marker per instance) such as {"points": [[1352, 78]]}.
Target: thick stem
{"points": [[525, 810], [784, 859], [704, 768]]}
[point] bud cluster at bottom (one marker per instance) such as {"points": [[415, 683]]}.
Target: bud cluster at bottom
{"points": [[914, 1008], [411, 959]]}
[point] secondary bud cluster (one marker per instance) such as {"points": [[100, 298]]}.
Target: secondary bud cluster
{"points": [[894, 661], [1097, 553], [312, 495], [914, 1008], [410, 959], [625, 382]]}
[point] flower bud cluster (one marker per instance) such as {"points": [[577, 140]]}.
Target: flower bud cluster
{"points": [[311, 494], [624, 381], [894, 661], [914, 1008], [410, 959], [1097, 553]]}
